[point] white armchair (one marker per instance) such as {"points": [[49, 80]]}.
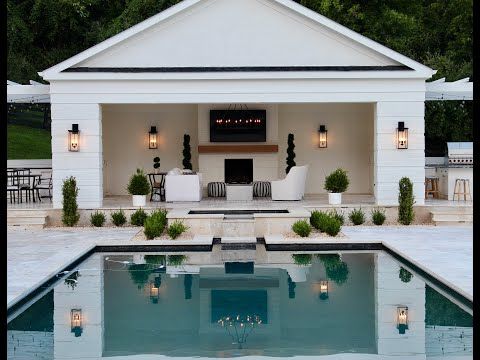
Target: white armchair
{"points": [[183, 187], [293, 186]]}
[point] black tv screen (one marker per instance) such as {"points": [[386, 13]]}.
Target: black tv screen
{"points": [[238, 125]]}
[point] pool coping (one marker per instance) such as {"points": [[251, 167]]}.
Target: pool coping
{"points": [[460, 295]]}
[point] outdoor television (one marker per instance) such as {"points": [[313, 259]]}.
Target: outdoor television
{"points": [[238, 125]]}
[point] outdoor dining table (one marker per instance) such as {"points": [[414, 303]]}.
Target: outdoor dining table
{"points": [[20, 180]]}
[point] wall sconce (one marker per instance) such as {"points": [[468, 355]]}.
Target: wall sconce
{"points": [[76, 322], [152, 138], [74, 138], [322, 137], [154, 292], [323, 290], [402, 136], [402, 319]]}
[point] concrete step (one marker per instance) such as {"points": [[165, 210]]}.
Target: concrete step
{"points": [[452, 215], [36, 218], [239, 240]]}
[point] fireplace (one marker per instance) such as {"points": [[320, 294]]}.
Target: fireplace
{"points": [[238, 171]]}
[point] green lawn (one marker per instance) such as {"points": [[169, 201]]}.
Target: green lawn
{"points": [[25, 142]]}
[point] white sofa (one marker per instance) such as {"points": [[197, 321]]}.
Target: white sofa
{"points": [[179, 187], [293, 186]]}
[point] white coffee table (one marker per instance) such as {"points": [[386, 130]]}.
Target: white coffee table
{"points": [[239, 192]]}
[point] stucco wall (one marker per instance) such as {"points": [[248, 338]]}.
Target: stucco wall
{"points": [[125, 140], [350, 142]]}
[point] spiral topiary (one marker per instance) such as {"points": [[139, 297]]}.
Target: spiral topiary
{"points": [[290, 153], [187, 155]]}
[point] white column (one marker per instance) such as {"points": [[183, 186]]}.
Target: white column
{"points": [[391, 164], [85, 165]]}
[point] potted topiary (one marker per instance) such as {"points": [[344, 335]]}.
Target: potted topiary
{"points": [[336, 183], [138, 187]]}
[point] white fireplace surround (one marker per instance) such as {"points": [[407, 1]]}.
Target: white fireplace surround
{"points": [[212, 166]]}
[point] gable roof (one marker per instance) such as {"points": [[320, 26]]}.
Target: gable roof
{"points": [[398, 61]]}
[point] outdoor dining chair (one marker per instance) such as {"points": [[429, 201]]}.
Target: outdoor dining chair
{"points": [[44, 183], [12, 187]]}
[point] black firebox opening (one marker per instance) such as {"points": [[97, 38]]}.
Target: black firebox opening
{"points": [[238, 171]]}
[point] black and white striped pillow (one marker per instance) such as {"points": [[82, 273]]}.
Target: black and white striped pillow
{"points": [[262, 189], [216, 189]]}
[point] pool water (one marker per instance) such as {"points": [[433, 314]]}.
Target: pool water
{"points": [[241, 303]]}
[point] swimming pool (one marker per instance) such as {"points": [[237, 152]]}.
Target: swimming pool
{"points": [[258, 303]]}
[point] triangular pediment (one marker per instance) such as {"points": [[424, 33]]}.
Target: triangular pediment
{"points": [[235, 34]]}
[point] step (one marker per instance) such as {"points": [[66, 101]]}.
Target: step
{"points": [[239, 240], [26, 220], [452, 216], [240, 246], [36, 218]]}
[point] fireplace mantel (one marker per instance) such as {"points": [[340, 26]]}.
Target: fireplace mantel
{"points": [[232, 149]]}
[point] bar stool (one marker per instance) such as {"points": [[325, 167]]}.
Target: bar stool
{"points": [[431, 187], [459, 185]]}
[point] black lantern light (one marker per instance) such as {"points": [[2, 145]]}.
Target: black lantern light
{"points": [[76, 322], [402, 136], [152, 138], [322, 137], [74, 138], [402, 319]]}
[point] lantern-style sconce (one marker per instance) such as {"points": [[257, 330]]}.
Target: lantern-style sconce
{"points": [[322, 137], [402, 319], [154, 292], [74, 138], [152, 138], [402, 136], [76, 322], [323, 290]]}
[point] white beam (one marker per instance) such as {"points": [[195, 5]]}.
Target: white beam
{"points": [[34, 93], [457, 90]]}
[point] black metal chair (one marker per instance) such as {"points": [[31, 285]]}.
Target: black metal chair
{"points": [[12, 187], [44, 183], [23, 181]]}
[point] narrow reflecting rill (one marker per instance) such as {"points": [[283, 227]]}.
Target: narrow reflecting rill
{"points": [[276, 304]]}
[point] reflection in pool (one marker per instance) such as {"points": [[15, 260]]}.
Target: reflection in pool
{"points": [[273, 304]]}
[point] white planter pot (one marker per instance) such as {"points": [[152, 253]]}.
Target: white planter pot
{"points": [[139, 200], [334, 198]]}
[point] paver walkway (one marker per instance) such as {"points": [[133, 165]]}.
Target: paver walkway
{"points": [[445, 250], [33, 255]]}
